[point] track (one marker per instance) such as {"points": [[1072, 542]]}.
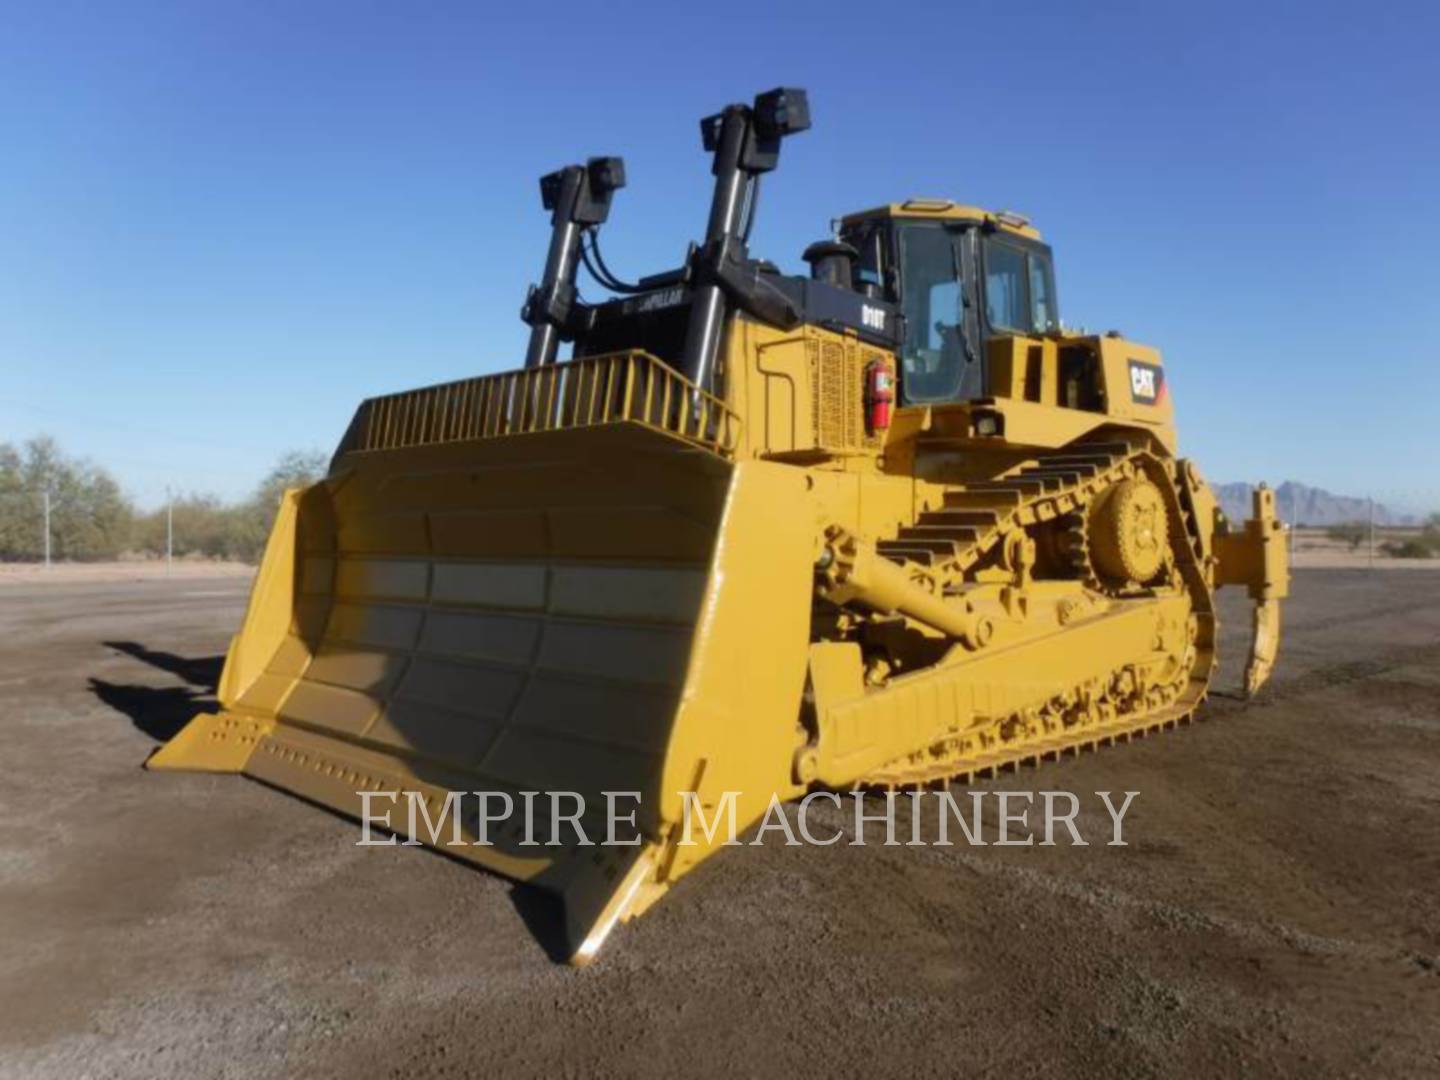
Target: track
{"points": [[976, 524]]}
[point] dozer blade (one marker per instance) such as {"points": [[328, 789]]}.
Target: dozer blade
{"points": [[610, 609]]}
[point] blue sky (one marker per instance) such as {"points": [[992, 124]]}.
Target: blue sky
{"points": [[223, 224]]}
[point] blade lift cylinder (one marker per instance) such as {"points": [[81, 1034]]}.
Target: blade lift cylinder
{"points": [[745, 141], [578, 197]]}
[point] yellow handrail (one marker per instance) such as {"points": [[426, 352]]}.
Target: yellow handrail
{"points": [[609, 389]]}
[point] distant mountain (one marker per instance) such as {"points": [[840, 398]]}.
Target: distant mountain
{"points": [[1307, 505]]}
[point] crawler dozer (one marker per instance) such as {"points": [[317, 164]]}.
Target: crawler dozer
{"points": [[885, 525]]}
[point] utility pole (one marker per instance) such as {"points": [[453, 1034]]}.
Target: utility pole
{"points": [[46, 496], [1372, 532], [169, 528]]}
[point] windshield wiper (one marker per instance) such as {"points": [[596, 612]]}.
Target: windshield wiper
{"points": [[971, 354]]}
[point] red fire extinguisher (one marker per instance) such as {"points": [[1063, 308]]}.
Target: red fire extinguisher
{"points": [[879, 394]]}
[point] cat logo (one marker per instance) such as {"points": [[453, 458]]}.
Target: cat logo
{"points": [[872, 317], [1147, 382]]}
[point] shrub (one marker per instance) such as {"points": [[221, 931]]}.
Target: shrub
{"points": [[1350, 532], [1407, 549]]}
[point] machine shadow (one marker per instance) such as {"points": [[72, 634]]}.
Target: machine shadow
{"points": [[161, 711], [202, 671], [543, 914]]}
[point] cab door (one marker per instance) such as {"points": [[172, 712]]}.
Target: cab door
{"points": [[940, 358]]}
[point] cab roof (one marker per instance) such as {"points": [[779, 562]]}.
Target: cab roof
{"points": [[948, 210]]}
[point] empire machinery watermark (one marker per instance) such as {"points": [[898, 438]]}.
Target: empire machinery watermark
{"points": [[560, 818]]}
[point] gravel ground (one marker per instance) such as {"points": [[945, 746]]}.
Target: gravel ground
{"points": [[1275, 911]]}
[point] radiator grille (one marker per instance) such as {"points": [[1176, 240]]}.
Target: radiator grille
{"points": [[837, 374]]}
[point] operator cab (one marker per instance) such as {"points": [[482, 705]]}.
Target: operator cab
{"points": [[960, 276]]}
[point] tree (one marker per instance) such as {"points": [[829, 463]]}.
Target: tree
{"points": [[296, 469], [201, 525], [90, 518], [18, 521], [206, 527]]}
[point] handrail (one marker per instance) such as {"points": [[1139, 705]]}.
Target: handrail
{"points": [[631, 387]]}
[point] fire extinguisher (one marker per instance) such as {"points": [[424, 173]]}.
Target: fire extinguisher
{"points": [[879, 395]]}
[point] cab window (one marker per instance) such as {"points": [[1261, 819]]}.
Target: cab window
{"points": [[1042, 300], [1019, 289], [1005, 305], [932, 358]]}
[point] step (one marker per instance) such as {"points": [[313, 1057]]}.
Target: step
{"points": [[1021, 486], [1070, 461], [938, 545], [1062, 478], [1115, 449], [898, 552], [1051, 468], [926, 530], [983, 500], [976, 518]]}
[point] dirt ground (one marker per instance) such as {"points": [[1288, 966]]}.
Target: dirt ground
{"points": [[12, 574], [1277, 910]]}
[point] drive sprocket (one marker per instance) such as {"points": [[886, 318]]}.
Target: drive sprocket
{"points": [[1127, 533]]}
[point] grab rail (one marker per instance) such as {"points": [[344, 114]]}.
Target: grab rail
{"points": [[614, 388]]}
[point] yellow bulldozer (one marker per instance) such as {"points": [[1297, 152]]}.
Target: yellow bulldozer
{"points": [[888, 525]]}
